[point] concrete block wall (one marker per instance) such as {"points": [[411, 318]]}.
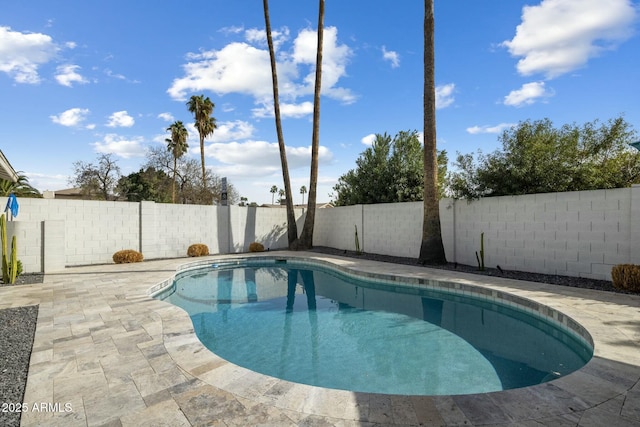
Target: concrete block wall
{"points": [[263, 225], [582, 233], [334, 227], [93, 230], [167, 230], [579, 234]]}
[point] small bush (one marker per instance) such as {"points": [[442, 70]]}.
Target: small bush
{"points": [[127, 256], [626, 277], [256, 247], [198, 249]]}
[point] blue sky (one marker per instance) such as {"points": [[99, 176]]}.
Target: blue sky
{"points": [[80, 78]]}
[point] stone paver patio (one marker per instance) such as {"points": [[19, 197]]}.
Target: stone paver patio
{"points": [[115, 356]]}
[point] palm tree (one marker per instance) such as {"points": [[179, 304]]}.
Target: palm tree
{"points": [[202, 109], [282, 193], [292, 228], [306, 237], [303, 190], [21, 187], [177, 145], [431, 248], [273, 191]]}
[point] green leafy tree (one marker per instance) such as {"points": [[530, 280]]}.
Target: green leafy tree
{"points": [[97, 181], [147, 184], [202, 110], [21, 187], [389, 171], [537, 157], [177, 145]]}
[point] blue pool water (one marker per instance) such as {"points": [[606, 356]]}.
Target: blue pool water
{"points": [[317, 326]]}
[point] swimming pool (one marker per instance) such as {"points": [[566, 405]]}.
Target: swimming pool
{"points": [[313, 324]]}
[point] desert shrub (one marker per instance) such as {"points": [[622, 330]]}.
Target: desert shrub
{"points": [[127, 256], [626, 277], [198, 249], [256, 247]]}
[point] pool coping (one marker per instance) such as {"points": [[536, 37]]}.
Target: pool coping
{"points": [[94, 320]]}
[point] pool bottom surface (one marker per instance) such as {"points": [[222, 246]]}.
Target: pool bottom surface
{"points": [[310, 327]]}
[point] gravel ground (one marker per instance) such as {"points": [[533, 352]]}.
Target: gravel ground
{"points": [[17, 329], [17, 325]]}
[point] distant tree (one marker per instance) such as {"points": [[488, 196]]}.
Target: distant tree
{"points": [[177, 145], [303, 190], [273, 191], [537, 157], [96, 181], [21, 187], [281, 193], [389, 171], [147, 184], [243, 201], [190, 189], [202, 109]]}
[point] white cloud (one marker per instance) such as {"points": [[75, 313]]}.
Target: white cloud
{"points": [[241, 67], [120, 146], [368, 140], [286, 110], [444, 95], [22, 53], [67, 75], [44, 182], [72, 117], [167, 117], [558, 36], [255, 158], [391, 56], [475, 130], [120, 119], [259, 36], [229, 131], [528, 94]]}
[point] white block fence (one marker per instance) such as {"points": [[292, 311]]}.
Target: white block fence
{"points": [[580, 234]]}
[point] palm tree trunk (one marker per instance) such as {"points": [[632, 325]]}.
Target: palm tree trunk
{"points": [[306, 238], [292, 227], [431, 248], [173, 191], [204, 176]]}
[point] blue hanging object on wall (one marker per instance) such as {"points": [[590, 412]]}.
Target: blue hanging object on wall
{"points": [[12, 205]]}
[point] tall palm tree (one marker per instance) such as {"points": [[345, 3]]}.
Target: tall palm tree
{"points": [[282, 193], [306, 237], [177, 145], [431, 248], [303, 190], [292, 228], [273, 191], [202, 109]]}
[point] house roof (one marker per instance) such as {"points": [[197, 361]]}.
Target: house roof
{"points": [[6, 170]]}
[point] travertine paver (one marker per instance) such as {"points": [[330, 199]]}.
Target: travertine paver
{"points": [[106, 354]]}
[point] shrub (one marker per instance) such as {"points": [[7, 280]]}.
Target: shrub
{"points": [[198, 249], [256, 247], [626, 277], [127, 256]]}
